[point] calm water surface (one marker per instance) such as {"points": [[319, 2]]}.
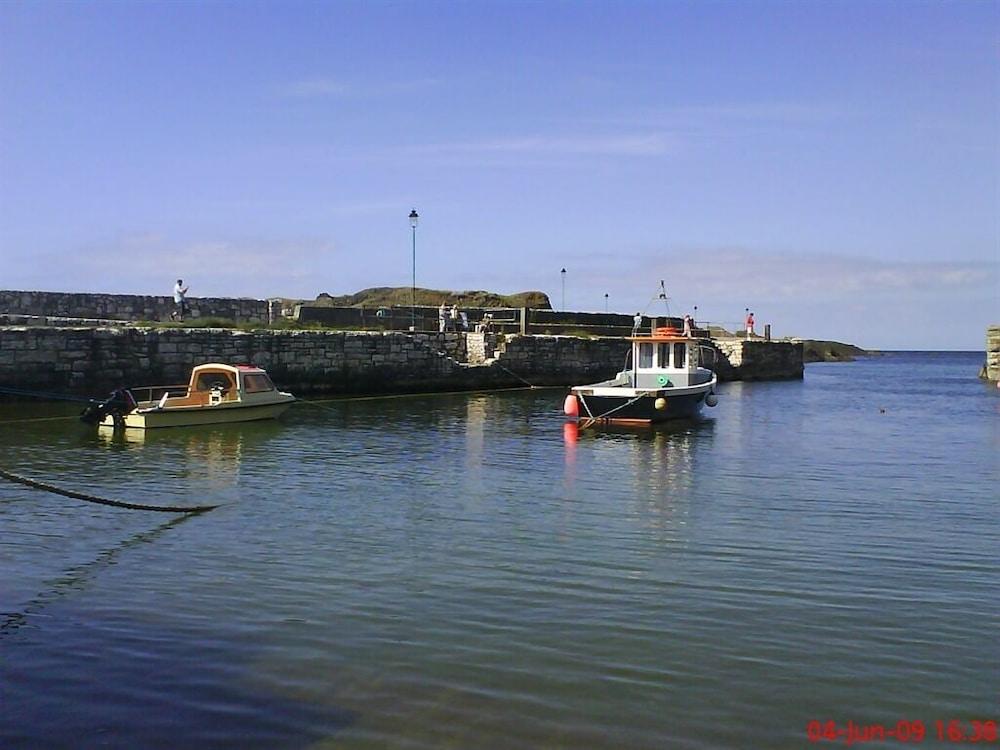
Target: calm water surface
{"points": [[463, 572]]}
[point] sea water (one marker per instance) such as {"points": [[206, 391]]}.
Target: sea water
{"points": [[470, 571]]}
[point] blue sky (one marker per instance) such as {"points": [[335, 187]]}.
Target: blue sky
{"points": [[832, 166]]}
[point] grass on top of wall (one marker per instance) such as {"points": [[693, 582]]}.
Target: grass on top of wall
{"points": [[284, 324]]}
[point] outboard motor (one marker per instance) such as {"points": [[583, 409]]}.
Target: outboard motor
{"points": [[118, 404]]}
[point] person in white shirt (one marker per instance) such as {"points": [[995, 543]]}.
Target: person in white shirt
{"points": [[180, 301]]}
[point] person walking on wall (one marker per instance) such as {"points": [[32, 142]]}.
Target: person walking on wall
{"points": [[749, 325], [180, 301]]}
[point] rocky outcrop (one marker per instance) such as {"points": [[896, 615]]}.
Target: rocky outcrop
{"points": [[814, 350]]}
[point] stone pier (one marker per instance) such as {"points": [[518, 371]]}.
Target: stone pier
{"points": [[96, 360], [991, 370]]}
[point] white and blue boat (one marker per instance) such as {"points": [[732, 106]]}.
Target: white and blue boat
{"points": [[665, 380]]}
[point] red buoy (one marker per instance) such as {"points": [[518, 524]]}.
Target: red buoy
{"points": [[571, 407]]}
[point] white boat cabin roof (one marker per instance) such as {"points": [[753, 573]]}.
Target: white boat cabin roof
{"points": [[231, 369], [217, 375]]}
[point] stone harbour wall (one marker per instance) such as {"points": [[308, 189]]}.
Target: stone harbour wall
{"points": [[757, 360], [94, 361], [128, 306], [991, 370]]}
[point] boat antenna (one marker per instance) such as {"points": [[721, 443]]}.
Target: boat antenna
{"points": [[662, 295]]}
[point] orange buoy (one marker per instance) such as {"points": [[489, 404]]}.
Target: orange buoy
{"points": [[571, 407]]}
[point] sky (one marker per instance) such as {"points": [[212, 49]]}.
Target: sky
{"points": [[834, 167]]}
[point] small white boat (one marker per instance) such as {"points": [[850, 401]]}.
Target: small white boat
{"points": [[217, 394], [665, 381]]}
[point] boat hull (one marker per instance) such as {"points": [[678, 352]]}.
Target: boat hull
{"points": [[632, 408], [202, 415]]}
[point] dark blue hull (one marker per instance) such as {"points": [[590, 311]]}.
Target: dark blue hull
{"points": [[643, 409]]}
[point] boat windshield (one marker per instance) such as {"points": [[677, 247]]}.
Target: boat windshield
{"points": [[257, 382], [209, 380]]}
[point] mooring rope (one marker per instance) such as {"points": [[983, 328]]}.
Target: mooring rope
{"points": [[46, 395], [319, 403], [102, 500], [530, 385], [592, 420], [38, 419]]}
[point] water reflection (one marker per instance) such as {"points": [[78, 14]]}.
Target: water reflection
{"points": [[655, 465], [78, 577], [211, 461]]}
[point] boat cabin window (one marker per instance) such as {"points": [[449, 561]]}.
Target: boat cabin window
{"points": [[209, 380], [663, 355], [645, 355], [257, 383], [680, 355]]}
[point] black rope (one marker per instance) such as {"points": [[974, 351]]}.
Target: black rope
{"points": [[45, 395], [102, 500]]}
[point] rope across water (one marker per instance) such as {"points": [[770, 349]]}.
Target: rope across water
{"points": [[28, 482]]}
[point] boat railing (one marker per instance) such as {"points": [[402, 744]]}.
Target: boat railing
{"points": [[156, 392]]}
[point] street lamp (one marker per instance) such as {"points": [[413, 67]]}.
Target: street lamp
{"points": [[563, 274], [605, 302], [414, 217]]}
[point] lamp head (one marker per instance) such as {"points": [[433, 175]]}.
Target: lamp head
{"points": [[414, 217]]}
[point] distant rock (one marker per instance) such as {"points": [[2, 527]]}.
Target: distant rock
{"points": [[814, 350], [384, 296]]}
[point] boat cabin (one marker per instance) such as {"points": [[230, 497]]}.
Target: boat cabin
{"points": [[215, 384], [665, 359], [211, 385]]}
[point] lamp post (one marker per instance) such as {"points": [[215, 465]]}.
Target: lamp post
{"points": [[605, 302], [563, 274], [414, 217]]}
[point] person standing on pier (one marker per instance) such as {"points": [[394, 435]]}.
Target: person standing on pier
{"points": [[180, 301], [442, 313], [749, 324], [454, 317], [687, 326], [636, 323]]}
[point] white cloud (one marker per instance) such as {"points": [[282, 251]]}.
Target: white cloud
{"points": [[148, 263]]}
